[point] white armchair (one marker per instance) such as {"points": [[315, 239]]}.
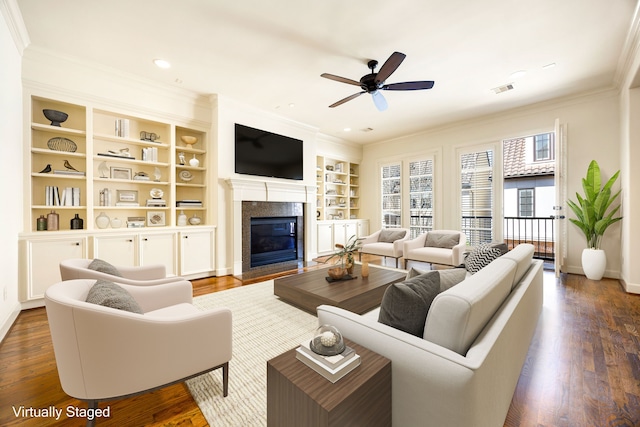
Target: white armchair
{"points": [[78, 268], [387, 242], [105, 353], [445, 247]]}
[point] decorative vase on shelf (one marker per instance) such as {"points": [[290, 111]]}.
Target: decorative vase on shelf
{"points": [[77, 223], [182, 219], [194, 162], [195, 220], [41, 223], [52, 221], [116, 223], [103, 220]]}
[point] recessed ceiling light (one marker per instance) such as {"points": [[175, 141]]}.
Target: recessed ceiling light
{"points": [[162, 63], [518, 74], [347, 129], [292, 105]]}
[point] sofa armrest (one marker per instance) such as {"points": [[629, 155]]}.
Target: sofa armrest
{"points": [[371, 238], [458, 253], [411, 244]]}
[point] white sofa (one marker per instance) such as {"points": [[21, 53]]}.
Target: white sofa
{"points": [[445, 247], [464, 371]]}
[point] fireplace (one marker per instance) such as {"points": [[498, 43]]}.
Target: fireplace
{"points": [[272, 236], [273, 240]]}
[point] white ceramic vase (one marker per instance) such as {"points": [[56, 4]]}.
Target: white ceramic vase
{"points": [[103, 220], [182, 219], [194, 162], [594, 262]]}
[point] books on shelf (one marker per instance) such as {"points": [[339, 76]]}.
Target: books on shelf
{"points": [[332, 371], [122, 128], [189, 203], [156, 203], [135, 222], [69, 196], [68, 172], [150, 154]]}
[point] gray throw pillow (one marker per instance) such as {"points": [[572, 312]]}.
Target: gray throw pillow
{"points": [[391, 235], [415, 272], [104, 267], [442, 240], [482, 255], [451, 277], [109, 294], [405, 305]]}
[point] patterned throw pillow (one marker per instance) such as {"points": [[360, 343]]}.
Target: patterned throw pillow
{"points": [[104, 267], [109, 294], [482, 255]]}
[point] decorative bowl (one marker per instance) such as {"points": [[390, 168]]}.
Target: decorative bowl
{"points": [[194, 220], [189, 140], [336, 273], [55, 116]]}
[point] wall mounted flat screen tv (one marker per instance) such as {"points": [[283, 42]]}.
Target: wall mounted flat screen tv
{"points": [[262, 153]]}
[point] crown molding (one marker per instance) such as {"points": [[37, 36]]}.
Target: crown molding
{"points": [[624, 72], [13, 18]]}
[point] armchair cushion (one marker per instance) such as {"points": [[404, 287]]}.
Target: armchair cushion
{"points": [[104, 267], [442, 240], [405, 305], [109, 294], [482, 255], [389, 235]]}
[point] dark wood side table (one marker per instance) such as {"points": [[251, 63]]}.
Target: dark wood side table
{"points": [[298, 396]]}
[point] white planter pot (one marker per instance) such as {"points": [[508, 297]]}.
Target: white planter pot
{"points": [[594, 262]]}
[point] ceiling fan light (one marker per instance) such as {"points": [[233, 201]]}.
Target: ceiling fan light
{"points": [[162, 63], [379, 101]]}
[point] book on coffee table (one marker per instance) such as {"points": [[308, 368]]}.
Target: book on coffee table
{"points": [[332, 374]]}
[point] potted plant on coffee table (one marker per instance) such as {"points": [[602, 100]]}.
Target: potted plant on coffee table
{"points": [[345, 255], [593, 219]]}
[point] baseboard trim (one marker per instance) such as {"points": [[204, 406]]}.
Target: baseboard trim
{"points": [[8, 322]]}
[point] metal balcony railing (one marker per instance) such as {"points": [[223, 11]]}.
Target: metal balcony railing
{"points": [[539, 231]]}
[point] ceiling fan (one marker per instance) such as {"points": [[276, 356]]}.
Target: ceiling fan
{"points": [[375, 82]]}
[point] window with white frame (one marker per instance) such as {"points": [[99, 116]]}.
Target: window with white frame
{"points": [[420, 196], [526, 202], [476, 195], [542, 147], [391, 180]]}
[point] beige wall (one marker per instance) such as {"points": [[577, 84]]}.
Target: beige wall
{"points": [[593, 132]]}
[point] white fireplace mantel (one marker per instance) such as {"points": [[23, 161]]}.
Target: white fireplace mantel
{"points": [[247, 190], [270, 191]]}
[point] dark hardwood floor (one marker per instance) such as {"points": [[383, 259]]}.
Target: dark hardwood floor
{"points": [[583, 366]]}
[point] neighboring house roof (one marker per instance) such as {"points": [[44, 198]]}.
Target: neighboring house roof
{"points": [[515, 164]]}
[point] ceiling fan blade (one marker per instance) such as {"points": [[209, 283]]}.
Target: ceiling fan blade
{"points": [[379, 101], [348, 98], [390, 66], [427, 84], [340, 79]]}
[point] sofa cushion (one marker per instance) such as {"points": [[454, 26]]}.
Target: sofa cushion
{"points": [[104, 267], [405, 304], [448, 277], [109, 294], [389, 235], [442, 240], [521, 255], [481, 255], [459, 314]]}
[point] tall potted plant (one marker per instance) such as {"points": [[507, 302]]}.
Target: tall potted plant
{"points": [[592, 218]]}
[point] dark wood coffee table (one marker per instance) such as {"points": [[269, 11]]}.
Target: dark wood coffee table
{"points": [[310, 289], [299, 396]]}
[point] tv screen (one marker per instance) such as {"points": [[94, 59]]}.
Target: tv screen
{"points": [[263, 153]]}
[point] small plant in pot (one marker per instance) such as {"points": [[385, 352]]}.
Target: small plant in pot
{"points": [[345, 255], [593, 219]]}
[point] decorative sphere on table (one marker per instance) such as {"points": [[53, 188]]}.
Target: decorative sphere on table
{"points": [[327, 341]]}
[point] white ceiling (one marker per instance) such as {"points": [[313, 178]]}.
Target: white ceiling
{"points": [[270, 54]]}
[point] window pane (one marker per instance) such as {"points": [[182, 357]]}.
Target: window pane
{"points": [[542, 147], [420, 197], [525, 202], [477, 196], [391, 196]]}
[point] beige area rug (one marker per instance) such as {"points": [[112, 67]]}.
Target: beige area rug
{"points": [[263, 327]]}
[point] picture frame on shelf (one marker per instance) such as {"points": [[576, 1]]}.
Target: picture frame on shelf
{"points": [[156, 218], [120, 173], [127, 196]]}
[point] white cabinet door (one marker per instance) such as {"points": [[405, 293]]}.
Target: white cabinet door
{"points": [[350, 230], [159, 248], [363, 228], [196, 252], [43, 261], [117, 249], [325, 237]]}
